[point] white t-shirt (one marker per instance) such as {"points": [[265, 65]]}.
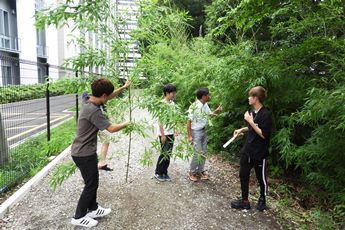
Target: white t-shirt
{"points": [[198, 114], [167, 129]]}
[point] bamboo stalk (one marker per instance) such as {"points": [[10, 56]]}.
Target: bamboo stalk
{"points": [[130, 133]]}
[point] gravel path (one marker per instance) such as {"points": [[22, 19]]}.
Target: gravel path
{"points": [[144, 203]]}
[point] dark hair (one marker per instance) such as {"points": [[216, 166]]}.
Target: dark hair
{"points": [[202, 92], [101, 86], [258, 92], [169, 88]]}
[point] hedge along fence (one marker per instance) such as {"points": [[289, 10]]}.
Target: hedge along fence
{"points": [[14, 93]]}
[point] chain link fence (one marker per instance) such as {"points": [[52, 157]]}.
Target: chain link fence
{"points": [[27, 109]]}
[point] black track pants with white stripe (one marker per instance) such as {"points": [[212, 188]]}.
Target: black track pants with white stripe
{"points": [[246, 164]]}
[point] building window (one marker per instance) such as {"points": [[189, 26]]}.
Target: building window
{"points": [[4, 30], [6, 72], [41, 44], [4, 23]]}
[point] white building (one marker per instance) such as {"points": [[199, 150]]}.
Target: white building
{"points": [[19, 39]]}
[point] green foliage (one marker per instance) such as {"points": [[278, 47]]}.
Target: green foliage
{"points": [[195, 9], [146, 158], [61, 173], [169, 27], [31, 156], [90, 17], [316, 217], [14, 93], [295, 49], [138, 128], [339, 213]]}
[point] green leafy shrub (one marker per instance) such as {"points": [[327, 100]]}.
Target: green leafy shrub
{"points": [[295, 49], [14, 93]]}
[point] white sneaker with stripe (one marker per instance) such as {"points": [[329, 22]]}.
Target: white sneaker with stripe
{"points": [[99, 212], [84, 222]]}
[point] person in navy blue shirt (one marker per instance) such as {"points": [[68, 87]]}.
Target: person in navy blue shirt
{"points": [[255, 150]]}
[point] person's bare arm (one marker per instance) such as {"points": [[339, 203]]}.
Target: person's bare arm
{"points": [[161, 129], [214, 113], [249, 118], [119, 90], [117, 127], [189, 130], [241, 131]]}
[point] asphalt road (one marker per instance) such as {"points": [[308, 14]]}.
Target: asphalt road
{"points": [[24, 119]]}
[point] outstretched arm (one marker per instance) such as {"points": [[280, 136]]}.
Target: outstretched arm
{"points": [[214, 113], [119, 90], [117, 127]]}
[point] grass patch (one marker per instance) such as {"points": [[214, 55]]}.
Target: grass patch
{"points": [[288, 205], [30, 157]]}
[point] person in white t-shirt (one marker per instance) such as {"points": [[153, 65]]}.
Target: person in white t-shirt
{"points": [[198, 115], [166, 134]]}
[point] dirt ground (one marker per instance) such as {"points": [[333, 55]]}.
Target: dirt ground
{"points": [[144, 203]]}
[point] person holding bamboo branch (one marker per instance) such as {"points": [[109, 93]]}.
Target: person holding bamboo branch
{"points": [[166, 136], [198, 114], [104, 136], [84, 151]]}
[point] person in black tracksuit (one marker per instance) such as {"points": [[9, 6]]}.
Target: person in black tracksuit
{"points": [[255, 150]]}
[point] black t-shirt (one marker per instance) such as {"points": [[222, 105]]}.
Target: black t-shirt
{"points": [[255, 146]]}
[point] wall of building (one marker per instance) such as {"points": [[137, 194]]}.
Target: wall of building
{"points": [[57, 41], [27, 34]]}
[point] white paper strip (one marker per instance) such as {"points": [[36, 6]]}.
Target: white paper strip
{"points": [[229, 141]]}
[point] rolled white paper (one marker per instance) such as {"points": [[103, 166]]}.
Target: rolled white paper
{"points": [[229, 141]]}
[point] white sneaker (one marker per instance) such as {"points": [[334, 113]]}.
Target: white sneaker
{"points": [[84, 222], [99, 212]]}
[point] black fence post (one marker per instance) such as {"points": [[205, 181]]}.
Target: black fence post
{"points": [[76, 100], [48, 103]]}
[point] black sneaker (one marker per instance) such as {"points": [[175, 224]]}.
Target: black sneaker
{"points": [[160, 178], [240, 204], [167, 177], [261, 204]]}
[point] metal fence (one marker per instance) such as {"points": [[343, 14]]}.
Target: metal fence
{"points": [[22, 120]]}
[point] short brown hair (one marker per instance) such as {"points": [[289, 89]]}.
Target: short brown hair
{"points": [[102, 86], [259, 92]]}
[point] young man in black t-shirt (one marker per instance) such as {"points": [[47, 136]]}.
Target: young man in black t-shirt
{"points": [[255, 151]]}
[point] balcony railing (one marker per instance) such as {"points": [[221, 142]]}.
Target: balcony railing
{"points": [[42, 51], [11, 44]]}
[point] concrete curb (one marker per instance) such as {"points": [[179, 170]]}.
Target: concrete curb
{"points": [[17, 196]]}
